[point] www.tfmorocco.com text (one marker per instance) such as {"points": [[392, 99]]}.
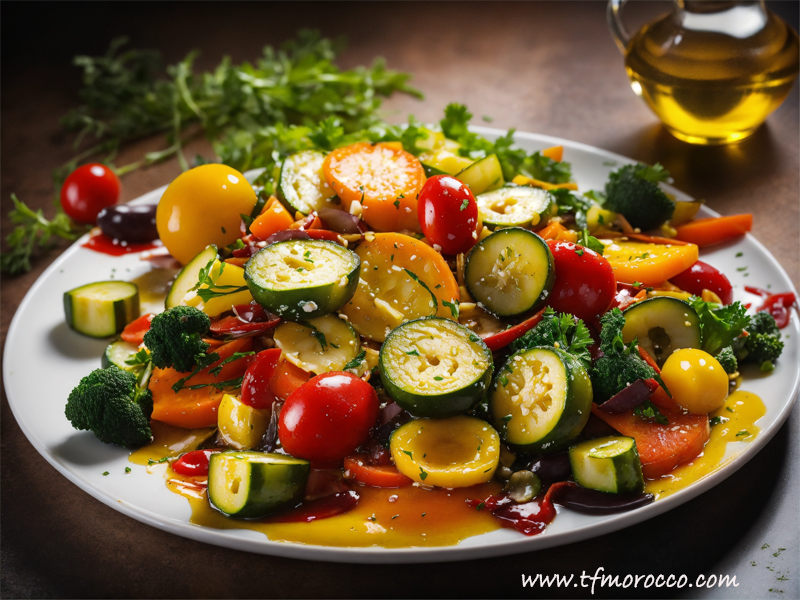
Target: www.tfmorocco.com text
{"points": [[601, 580]]}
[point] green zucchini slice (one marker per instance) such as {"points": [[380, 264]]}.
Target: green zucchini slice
{"points": [[510, 272], [249, 485], [515, 206], [117, 353], [189, 276], [483, 175], [662, 325], [302, 185], [302, 279], [434, 367], [608, 464], [101, 309], [320, 345], [540, 400]]}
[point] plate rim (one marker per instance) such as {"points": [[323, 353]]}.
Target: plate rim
{"points": [[381, 555]]}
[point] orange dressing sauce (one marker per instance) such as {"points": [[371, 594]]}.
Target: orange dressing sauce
{"points": [[742, 411]]}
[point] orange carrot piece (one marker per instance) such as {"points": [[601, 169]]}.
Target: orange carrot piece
{"points": [[556, 231], [662, 447], [286, 378], [196, 408], [555, 153], [713, 230], [273, 219]]}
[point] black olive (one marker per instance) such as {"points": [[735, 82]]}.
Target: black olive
{"points": [[134, 224]]}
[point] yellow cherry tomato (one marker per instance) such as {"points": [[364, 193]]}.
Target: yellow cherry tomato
{"points": [[203, 206], [240, 425], [696, 380], [456, 452]]}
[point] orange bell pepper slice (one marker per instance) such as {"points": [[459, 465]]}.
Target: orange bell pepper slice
{"points": [[273, 218], [713, 230]]}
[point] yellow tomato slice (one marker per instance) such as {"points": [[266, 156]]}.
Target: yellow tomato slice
{"points": [[388, 295], [649, 264]]}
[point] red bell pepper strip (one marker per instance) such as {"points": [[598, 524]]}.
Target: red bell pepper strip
{"points": [[501, 339]]}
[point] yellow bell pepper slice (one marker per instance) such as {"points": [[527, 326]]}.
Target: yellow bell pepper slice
{"points": [[647, 263], [222, 274], [522, 180]]}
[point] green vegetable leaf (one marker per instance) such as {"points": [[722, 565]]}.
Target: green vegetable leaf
{"points": [[654, 174], [588, 241], [647, 411], [356, 362]]}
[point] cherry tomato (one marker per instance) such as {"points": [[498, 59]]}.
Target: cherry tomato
{"points": [[256, 388], [194, 463], [584, 284], [702, 276], [328, 417], [87, 191], [135, 330], [448, 214]]}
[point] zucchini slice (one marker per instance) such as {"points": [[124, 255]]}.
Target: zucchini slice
{"points": [[101, 309], [302, 279], [515, 206], [662, 324], [189, 275], [483, 175], [435, 367], [456, 452], [302, 185], [540, 400], [320, 345], [117, 353], [510, 272], [241, 426], [608, 464], [443, 162], [249, 485]]}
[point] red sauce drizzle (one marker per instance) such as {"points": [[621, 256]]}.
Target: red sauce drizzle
{"points": [[529, 518], [780, 307], [320, 508], [105, 245]]}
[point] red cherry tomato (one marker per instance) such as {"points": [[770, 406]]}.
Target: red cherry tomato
{"points": [[87, 191], [448, 214], [702, 276], [584, 285], [194, 463], [328, 417], [256, 388]]}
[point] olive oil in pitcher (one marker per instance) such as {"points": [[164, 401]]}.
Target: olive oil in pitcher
{"points": [[712, 71]]}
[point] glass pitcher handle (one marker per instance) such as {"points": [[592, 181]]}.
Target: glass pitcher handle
{"points": [[615, 24]]}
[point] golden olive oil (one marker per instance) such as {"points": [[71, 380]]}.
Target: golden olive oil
{"points": [[712, 76]]}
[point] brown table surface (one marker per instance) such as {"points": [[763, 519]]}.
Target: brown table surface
{"points": [[544, 67]]}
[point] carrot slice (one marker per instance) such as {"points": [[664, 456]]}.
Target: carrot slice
{"points": [[384, 178], [662, 447], [196, 408], [556, 231], [713, 230], [286, 378], [376, 476], [273, 218]]}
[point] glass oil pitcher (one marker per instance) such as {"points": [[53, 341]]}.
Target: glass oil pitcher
{"points": [[712, 71]]}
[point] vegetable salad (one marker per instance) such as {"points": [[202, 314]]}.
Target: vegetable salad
{"points": [[426, 309]]}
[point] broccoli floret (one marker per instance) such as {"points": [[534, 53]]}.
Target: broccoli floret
{"points": [[563, 331], [175, 338], [763, 345], [108, 403], [633, 191], [620, 364], [719, 325], [727, 359]]}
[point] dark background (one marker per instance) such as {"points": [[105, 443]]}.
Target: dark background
{"points": [[548, 67]]}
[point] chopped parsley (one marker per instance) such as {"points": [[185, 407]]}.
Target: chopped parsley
{"points": [[464, 204]]}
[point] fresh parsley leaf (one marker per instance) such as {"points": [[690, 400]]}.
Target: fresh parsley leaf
{"points": [[453, 306], [356, 362], [654, 174], [591, 242], [464, 204], [423, 284], [647, 411]]}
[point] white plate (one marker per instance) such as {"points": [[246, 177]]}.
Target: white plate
{"points": [[44, 360]]}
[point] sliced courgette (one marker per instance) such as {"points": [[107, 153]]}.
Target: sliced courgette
{"points": [[443, 162], [320, 345], [101, 309], [540, 400], [117, 353], [302, 279], [456, 452], [510, 272], [189, 275], [435, 367], [608, 464], [302, 185], [662, 325], [483, 175], [249, 485], [515, 206]]}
